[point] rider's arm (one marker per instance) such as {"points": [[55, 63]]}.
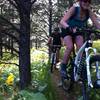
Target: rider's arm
{"points": [[62, 42], [94, 17], [49, 41], [66, 17]]}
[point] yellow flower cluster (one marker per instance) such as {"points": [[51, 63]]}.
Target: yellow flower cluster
{"points": [[10, 79]]}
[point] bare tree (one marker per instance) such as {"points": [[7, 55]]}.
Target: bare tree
{"points": [[24, 8]]}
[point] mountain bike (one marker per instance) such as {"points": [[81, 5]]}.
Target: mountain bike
{"points": [[53, 58], [85, 67]]}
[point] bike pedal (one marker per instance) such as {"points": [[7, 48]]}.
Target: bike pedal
{"points": [[97, 84]]}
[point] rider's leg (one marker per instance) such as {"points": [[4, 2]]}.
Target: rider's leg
{"points": [[50, 52], [69, 47], [79, 42], [58, 55]]}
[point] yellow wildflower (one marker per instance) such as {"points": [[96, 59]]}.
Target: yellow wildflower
{"points": [[10, 79]]}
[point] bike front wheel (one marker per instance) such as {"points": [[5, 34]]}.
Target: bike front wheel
{"points": [[53, 62], [93, 93]]}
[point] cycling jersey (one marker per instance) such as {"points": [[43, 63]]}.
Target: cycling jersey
{"points": [[76, 21], [56, 38]]}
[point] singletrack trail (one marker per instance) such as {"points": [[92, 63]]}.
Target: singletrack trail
{"points": [[61, 94]]}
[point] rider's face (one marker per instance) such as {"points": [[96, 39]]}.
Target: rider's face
{"points": [[85, 5]]}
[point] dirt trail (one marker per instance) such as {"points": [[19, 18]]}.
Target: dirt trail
{"points": [[61, 94]]}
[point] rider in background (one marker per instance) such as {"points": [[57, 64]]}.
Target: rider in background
{"points": [[76, 17], [55, 39]]}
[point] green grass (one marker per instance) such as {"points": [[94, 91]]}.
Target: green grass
{"points": [[41, 80], [96, 44], [41, 87]]}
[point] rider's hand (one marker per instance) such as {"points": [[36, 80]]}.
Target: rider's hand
{"points": [[71, 29], [47, 44], [74, 30]]}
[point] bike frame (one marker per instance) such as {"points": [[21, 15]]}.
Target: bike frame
{"points": [[88, 56], [53, 57]]}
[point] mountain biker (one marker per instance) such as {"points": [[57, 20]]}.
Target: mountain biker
{"points": [[76, 17], [55, 39]]}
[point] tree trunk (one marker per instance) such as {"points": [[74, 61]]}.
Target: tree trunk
{"points": [[1, 53], [50, 17], [12, 46], [24, 44], [50, 21]]}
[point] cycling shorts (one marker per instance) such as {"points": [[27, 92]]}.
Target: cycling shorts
{"points": [[65, 32]]}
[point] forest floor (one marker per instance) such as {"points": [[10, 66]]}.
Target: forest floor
{"points": [[61, 94]]}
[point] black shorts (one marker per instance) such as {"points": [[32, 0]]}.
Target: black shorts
{"points": [[64, 32]]}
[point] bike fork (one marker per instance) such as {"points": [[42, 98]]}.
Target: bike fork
{"points": [[88, 56]]}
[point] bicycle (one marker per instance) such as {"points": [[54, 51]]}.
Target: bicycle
{"points": [[84, 66], [53, 58]]}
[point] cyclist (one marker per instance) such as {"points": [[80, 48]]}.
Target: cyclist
{"points": [[76, 17], [55, 39]]}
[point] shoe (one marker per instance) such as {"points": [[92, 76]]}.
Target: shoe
{"points": [[59, 84], [66, 83], [63, 71]]}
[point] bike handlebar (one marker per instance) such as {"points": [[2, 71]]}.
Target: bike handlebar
{"points": [[88, 31]]}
